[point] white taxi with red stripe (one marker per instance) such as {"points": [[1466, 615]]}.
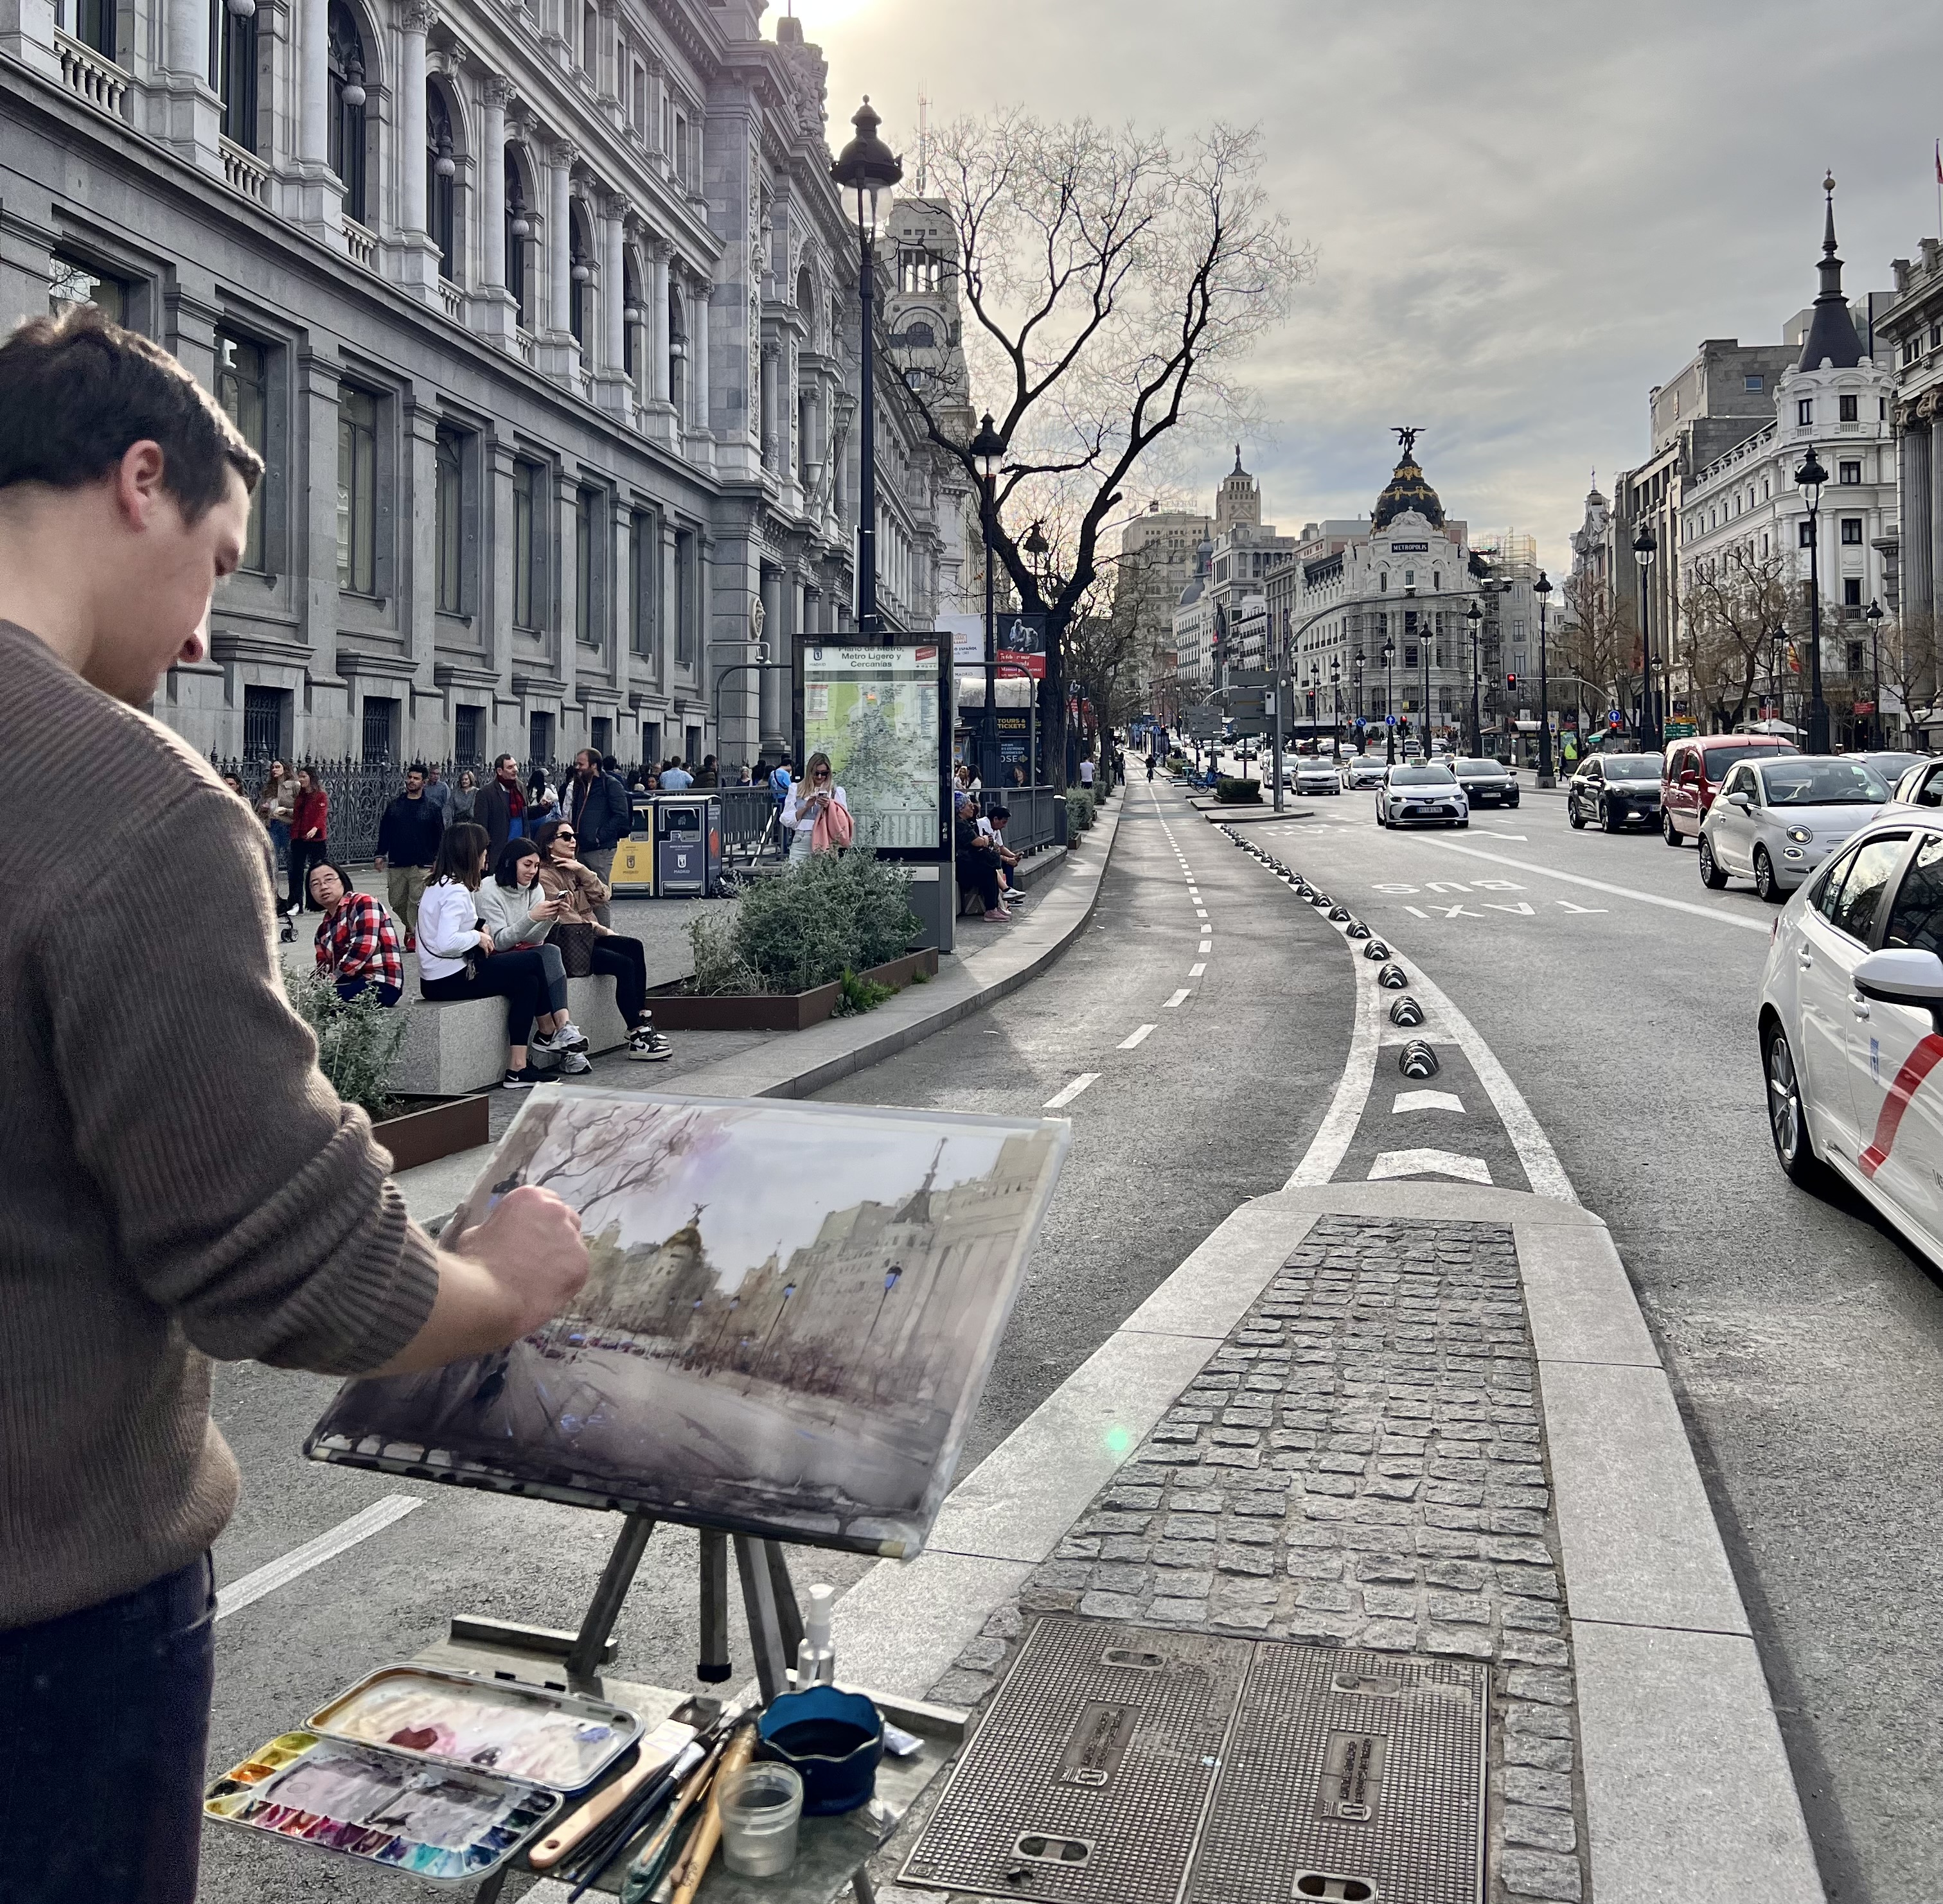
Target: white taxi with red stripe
{"points": [[1852, 1025]]}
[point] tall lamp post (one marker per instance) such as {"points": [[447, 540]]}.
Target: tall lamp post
{"points": [[988, 452], [1036, 549], [1874, 618], [1475, 616], [1780, 673], [1336, 702], [1388, 657], [1362, 710], [1644, 550], [868, 167], [1542, 588], [1810, 476]]}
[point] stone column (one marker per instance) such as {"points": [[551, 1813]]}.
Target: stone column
{"points": [[190, 120], [613, 392], [417, 590], [657, 324], [319, 200], [27, 34], [558, 354], [778, 625], [416, 17], [698, 419], [497, 310], [1914, 475], [1934, 443]]}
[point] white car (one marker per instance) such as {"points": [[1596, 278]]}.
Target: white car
{"points": [[1774, 821], [1313, 774], [1360, 771], [1412, 795], [1852, 1001]]}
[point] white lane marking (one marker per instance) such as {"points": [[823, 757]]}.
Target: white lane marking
{"points": [[1427, 1101], [1061, 1099], [1430, 1162], [1764, 926], [266, 1579], [1331, 1143], [1206, 944], [1195, 971], [1138, 1036], [1185, 992]]}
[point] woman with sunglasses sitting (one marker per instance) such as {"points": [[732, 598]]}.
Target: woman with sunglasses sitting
{"points": [[563, 878]]}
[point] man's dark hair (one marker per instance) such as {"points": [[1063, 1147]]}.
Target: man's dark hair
{"points": [[417, 767], [77, 391], [610, 763]]}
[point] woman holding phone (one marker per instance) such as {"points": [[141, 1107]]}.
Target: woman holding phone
{"points": [[579, 889], [515, 909], [816, 797]]}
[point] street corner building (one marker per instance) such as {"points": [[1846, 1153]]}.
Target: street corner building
{"points": [[545, 318]]}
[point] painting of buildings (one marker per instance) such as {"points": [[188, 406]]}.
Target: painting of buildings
{"points": [[791, 1312]]}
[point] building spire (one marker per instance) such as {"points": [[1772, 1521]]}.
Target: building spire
{"points": [[1831, 330]]}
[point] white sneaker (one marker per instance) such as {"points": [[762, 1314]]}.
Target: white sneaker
{"points": [[575, 1064], [548, 1041], [648, 1047], [571, 1037]]}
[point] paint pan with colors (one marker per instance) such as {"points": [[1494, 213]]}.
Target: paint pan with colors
{"points": [[447, 1825]]}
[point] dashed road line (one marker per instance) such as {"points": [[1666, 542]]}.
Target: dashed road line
{"points": [[1430, 1162], [1427, 1101], [1139, 1035], [1061, 1099], [1206, 944], [1195, 971], [280, 1572], [1185, 992]]}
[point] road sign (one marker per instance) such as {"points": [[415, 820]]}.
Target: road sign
{"points": [[1202, 723], [1248, 697]]}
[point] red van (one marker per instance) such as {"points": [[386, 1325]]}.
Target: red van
{"points": [[1692, 773]]}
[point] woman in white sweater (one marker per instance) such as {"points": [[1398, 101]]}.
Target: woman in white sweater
{"points": [[458, 957], [519, 914]]}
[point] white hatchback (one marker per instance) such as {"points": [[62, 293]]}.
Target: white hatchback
{"points": [[1852, 1026]]}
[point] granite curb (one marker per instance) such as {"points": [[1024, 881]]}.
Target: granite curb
{"points": [[795, 1064], [1687, 1788]]}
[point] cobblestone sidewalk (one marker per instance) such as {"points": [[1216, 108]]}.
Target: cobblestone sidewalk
{"points": [[1361, 1463]]}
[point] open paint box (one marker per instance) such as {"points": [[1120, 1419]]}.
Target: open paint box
{"points": [[433, 1772]]}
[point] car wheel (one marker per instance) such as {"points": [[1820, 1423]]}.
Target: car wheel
{"points": [[1786, 1117], [1572, 812], [1606, 816], [1668, 831], [1766, 883], [1711, 874]]}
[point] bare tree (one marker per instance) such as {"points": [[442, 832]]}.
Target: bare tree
{"points": [[1912, 653], [1598, 638], [1114, 284], [1734, 604]]}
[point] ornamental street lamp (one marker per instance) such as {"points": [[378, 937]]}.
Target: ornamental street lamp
{"points": [[1362, 710], [868, 167], [1810, 476], [1475, 616], [1644, 549], [1037, 548], [1542, 588], [988, 452], [1780, 674], [1388, 657], [1336, 701], [1874, 618]]}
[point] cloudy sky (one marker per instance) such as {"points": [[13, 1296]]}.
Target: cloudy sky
{"points": [[1525, 213]]}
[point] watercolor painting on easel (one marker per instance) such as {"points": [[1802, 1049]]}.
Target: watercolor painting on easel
{"points": [[792, 1310]]}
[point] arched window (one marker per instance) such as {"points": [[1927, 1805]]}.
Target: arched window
{"points": [[631, 312], [348, 137], [919, 336], [805, 302], [519, 237], [441, 175], [233, 70], [677, 350], [580, 275]]}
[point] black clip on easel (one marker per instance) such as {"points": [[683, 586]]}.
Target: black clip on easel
{"points": [[768, 1599]]}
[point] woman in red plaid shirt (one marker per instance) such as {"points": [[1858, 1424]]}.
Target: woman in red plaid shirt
{"points": [[357, 943]]}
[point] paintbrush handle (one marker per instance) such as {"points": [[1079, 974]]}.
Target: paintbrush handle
{"points": [[708, 1833]]}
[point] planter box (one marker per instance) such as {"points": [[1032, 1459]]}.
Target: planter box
{"points": [[775, 1011], [439, 1130]]}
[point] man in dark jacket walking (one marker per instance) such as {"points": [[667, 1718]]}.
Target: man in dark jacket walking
{"points": [[501, 807], [597, 804], [408, 837]]}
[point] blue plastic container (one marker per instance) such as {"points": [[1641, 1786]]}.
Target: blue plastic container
{"points": [[834, 1739]]}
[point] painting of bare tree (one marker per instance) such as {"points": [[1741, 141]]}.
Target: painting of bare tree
{"points": [[790, 1315]]}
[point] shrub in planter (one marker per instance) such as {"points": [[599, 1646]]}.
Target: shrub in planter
{"points": [[357, 1039], [1238, 793], [826, 915], [1080, 809]]}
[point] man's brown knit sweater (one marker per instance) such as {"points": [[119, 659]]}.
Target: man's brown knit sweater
{"points": [[177, 1181]]}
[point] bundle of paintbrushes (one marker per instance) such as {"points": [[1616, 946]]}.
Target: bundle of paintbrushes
{"points": [[672, 1864], [620, 1812]]}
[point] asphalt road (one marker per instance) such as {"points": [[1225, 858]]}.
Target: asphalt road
{"points": [[1167, 1140], [1805, 1339]]}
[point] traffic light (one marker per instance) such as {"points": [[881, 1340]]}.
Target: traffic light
{"points": [[1511, 680]]}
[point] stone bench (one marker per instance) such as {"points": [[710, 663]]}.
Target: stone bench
{"points": [[460, 1047]]}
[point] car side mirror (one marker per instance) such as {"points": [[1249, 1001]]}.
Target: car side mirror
{"points": [[1740, 800], [1901, 975]]}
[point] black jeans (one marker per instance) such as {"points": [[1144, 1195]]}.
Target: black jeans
{"points": [[978, 872], [304, 853], [518, 977], [388, 994], [627, 961], [104, 1721]]}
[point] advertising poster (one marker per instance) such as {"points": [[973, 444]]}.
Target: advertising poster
{"points": [[790, 1313], [883, 715]]}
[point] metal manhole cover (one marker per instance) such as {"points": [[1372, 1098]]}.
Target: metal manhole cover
{"points": [[1122, 1764]]}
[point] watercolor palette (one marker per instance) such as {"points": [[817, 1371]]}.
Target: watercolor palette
{"points": [[438, 1822], [484, 1725]]}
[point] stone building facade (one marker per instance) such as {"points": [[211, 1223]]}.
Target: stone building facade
{"points": [[1913, 329], [543, 314]]}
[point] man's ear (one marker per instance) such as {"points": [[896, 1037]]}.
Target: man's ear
{"points": [[138, 483]]}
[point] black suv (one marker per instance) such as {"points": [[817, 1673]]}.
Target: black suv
{"points": [[1487, 783]]}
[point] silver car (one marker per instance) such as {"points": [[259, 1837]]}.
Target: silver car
{"points": [[1774, 821], [1314, 774], [1413, 794], [1362, 770]]}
